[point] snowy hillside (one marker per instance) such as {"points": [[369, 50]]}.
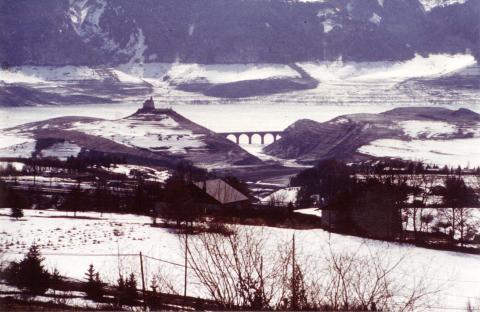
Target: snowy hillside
{"points": [[420, 79], [71, 245], [160, 136], [431, 142], [433, 135], [147, 131], [460, 152]]}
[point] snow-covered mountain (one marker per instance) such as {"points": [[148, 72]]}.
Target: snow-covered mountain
{"points": [[159, 137], [93, 32], [433, 135], [435, 79]]}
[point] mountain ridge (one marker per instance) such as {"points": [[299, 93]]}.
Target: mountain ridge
{"points": [[342, 137], [96, 32]]}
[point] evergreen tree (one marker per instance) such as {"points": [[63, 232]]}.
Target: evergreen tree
{"points": [[30, 273], [55, 280], [127, 290], [76, 200], [16, 212], [94, 285]]}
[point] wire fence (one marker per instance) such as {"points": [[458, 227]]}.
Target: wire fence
{"points": [[186, 266]]}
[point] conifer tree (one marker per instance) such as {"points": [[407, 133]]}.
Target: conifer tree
{"points": [[94, 285], [30, 273], [16, 212]]}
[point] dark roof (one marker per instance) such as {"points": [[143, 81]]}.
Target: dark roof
{"points": [[221, 191]]}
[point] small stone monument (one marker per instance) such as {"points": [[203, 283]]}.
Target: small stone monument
{"points": [[148, 104]]}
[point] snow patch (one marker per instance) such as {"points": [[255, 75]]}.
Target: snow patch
{"points": [[310, 211], [230, 72], [375, 19], [14, 76], [23, 150], [136, 47], [191, 29], [283, 196], [129, 170], [431, 4], [12, 139], [85, 18], [329, 25], [419, 66], [326, 13], [61, 150], [17, 165], [45, 74], [453, 153], [156, 135], [417, 129]]}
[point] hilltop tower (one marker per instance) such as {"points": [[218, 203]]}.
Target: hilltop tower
{"points": [[148, 104]]}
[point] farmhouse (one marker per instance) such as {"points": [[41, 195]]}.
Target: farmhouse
{"points": [[205, 196], [219, 194], [384, 223]]}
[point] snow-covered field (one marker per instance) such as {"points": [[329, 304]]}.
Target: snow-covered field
{"points": [[455, 152], [71, 245], [61, 150], [427, 129], [431, 142], [130, 170]]}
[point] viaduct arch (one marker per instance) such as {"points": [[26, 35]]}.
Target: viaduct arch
{"points": [[275, 134]]}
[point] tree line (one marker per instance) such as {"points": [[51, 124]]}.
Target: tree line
{"points": [[394, 199]]}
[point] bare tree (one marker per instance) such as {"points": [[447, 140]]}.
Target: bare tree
{"points": [[365, 280], [460, 198], [235, 269], [243, 271]]}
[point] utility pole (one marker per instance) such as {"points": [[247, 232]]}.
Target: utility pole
{"points": [[294, 284], [143, 282], [186, 255]]}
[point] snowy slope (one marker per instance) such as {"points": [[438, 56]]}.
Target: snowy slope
{"points": [[431, 142], [70, 245], [146, 131], [419, 66], [453, 153], [12, 144], [159, 137]]}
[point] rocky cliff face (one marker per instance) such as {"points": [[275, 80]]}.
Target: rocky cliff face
{"points": [[91, 32]]}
